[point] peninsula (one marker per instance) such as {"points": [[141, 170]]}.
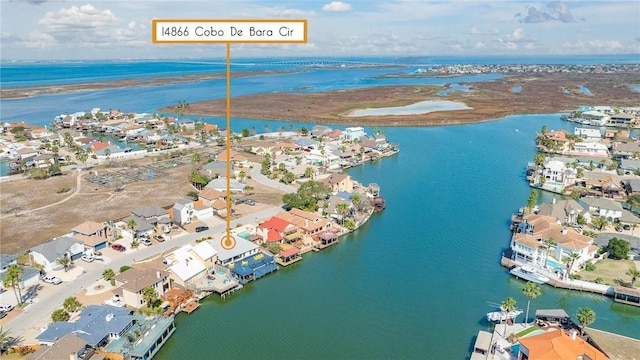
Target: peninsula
{"points": [[487, 100]]}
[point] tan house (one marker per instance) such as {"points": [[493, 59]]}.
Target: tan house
{"points": [[133, 281], [209, 196], [308, 222], [339, 182]]}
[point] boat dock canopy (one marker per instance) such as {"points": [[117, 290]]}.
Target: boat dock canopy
{"points": [[551, 314]]}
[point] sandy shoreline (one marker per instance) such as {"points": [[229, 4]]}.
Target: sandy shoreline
{"points": [[488, 100]]}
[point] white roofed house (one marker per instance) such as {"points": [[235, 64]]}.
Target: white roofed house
{"points": [[621, 119], [353, 133], [596, 118], [588, 134], [555, 171], [587, 149], [189, 264], [607, 208]]}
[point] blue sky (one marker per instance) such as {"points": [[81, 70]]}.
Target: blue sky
{"points": [[54, 30]]}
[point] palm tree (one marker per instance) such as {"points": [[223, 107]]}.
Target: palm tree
{"points": [[308, 172], [71, 304], [531, 291], [549, 243], [65, 261], [149, 295], [508, 306], [342, 209], [12, 279], [600, 222], [5, 339], [132, 224], [586, 316], [109, 276], [634, 273], [573, 257], [196, 158]]}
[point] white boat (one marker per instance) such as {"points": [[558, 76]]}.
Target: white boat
{"points": [[502, 316], [529, 273]]}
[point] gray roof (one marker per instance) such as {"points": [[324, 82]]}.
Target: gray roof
{"points": [[242, 246], [553, 313], [6, 260], [633, 184], [629, 164], [55, 248], [95, 324], [60, 349], [606, 204], [149, 211], [561, 209], [27, 273], [215, 165], [184, 202], [220, 184], [305, 142], [141, 223]]}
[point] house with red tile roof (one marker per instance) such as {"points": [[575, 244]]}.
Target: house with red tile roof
{"points": [[558, 345]]}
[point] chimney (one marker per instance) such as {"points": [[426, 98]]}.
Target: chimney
{"points": [[564, 231], [573, 333], [158, 274]]}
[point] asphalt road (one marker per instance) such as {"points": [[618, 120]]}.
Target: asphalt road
{"points": [[33, 316]]}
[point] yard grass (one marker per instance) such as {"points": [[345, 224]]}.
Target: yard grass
{"points": [[611, 272], [526, 331]]}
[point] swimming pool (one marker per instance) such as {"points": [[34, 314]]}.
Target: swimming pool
{"points": [[555, 264], [244, 234]]}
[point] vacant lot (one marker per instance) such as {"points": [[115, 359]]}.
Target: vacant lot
{"points": [[612, 272]]}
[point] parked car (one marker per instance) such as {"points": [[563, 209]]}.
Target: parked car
{"points": [[159, 238], [2, 314], [619, 228], [626, 227], [249, 202], [6, 307], [145, 241], [201, 228], [87, 258], [118, 247], [52, 280]]}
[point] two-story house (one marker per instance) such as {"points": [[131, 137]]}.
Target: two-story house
{"points": [[133, 281], [189, 264]]}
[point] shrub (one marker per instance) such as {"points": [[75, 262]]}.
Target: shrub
{"points": [[590, 266], [598, 280], [60, 315], [124, 268], [63, 189], [618, 248], [575, 277]]}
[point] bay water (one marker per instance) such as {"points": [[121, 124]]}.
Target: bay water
{"points": [[415, 282]]}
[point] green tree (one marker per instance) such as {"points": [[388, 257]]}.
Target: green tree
{"points": [[634, 273], [288, 177], [539, 159], [12, 279], [350, 224], [618, 249], [532, 200], [131, 224], [60, 315], [68, 139], [71, 304], [531, 290], [600, 222], [196, 158], [544, 129], [586, 317], [507, 306], [573, 257], [199, 180], [109, 275], [245, 133], [65, 261], [308, 172], [304, 131], [149, 295], [343, 210]]}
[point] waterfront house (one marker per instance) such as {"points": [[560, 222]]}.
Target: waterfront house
{"points": [[558, 345], [621, 119], [632, 186], [243, 249], [309, 223], [607, 186], [68, 347], [556, 172], [132, 282], [276, 229], [253, 267], [288, 256], [94, 235], [27, 152], [189, 264], [629, 166], [625, 150], [530, 247], [565, 211], [319, 131], [588, 134], [353, 133], [596, 118], [587, 149], [48, 253], [339, 182]]}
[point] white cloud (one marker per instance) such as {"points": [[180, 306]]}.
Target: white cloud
{"points": [[475, 31], [607, 45], [336, 6], [517, 34], [85, 16], [291, 13]]}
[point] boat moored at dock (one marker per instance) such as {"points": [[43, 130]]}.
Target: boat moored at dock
{"points": [[528, 273]]}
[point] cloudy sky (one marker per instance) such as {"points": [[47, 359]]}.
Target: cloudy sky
{"points": [[52, 30]]}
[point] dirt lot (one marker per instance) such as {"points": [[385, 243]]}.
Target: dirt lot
{"points": [[541, 93], [25, 228]]}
